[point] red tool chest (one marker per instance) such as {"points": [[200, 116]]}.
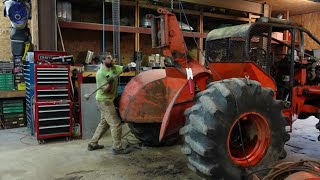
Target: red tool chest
{"points": [[52, 104]]}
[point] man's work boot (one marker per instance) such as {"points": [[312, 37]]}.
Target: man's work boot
{"points": [[121, 151], [94, 147]]}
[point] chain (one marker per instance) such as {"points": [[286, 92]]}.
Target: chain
{"points": [[171, 4], [116, 30]]}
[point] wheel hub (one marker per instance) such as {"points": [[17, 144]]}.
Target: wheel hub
{"points": [[248, 139]]}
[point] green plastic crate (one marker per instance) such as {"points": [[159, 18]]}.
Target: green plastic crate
{"points": [[6, 102], [13, 115], [12, 105], [6, 76], [6, 85], [13, 110], [6, 88]]}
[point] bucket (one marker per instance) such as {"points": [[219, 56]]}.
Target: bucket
{"points": [[76, 130]]}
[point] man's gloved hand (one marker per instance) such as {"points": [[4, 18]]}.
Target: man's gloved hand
{"points": [[127, 67]]}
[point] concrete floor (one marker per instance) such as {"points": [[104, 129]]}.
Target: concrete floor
{"points": [[22, 158]]}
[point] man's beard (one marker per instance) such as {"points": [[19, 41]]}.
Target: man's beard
{"points": [[109, 65]]}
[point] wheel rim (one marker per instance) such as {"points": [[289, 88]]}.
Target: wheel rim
{"points": [[255, 137]]}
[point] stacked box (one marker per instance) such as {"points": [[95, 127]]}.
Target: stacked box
{"points": [[1, 108], [18, 74], [6, 82], [20, 82], [12, 114], [6, 67]]}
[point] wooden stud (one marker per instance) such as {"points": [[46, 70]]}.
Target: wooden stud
{"points": [[47, 25], [266, 10]]}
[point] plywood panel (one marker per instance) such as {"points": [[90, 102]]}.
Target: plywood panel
{"points": [[146, 48], [5, 48], [310, 22], [127, 42], [76, 41]]}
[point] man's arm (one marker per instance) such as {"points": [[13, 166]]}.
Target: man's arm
{"points": [[101, 80], [107, 88]]}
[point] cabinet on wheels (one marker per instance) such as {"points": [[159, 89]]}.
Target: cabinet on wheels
{"points": [[53, 112]]}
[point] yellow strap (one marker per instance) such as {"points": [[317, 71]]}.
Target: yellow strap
{"points": [[26, 49]]}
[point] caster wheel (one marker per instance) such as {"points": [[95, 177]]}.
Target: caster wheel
{"points": [[41, 141]]}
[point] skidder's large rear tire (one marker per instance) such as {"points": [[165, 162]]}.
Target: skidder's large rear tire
{"points": [[148, 134], [226, 115]]}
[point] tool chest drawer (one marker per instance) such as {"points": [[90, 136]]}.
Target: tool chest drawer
{"points": [[52, 75], [52, 94], [53, 118]]}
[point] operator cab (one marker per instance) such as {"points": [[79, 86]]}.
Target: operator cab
{"points": [[283, 60]]}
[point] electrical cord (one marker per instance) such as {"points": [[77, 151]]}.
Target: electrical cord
{"points": [[287, 168], [195, 41], [24, 135]]}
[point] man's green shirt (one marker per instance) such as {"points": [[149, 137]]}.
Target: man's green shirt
{"points": [[101, 78]]}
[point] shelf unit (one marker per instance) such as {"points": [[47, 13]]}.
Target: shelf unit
{"points": [[125, 29], [203, 15]]}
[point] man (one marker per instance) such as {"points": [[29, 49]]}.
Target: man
{"points": [[104, 98]]}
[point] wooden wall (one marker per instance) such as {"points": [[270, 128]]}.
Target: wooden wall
{"points": [[76, 41], [146, 48], [312, 23], [5, 48]]}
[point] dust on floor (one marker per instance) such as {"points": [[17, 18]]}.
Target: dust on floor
{"points": [[22, 158]]}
